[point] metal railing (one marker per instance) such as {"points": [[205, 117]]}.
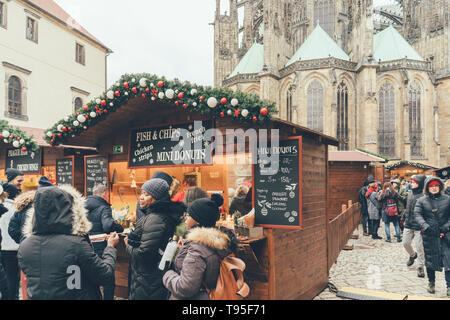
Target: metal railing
{"points": [[340, 230]]}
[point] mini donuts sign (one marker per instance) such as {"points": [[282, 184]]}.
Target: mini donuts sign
{"points": [[182, 144]]}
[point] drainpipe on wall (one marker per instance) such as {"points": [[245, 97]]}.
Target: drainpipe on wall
{"points": [[106, 67]]}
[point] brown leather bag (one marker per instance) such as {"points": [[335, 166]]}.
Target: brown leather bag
{"points": [[230, 283]]}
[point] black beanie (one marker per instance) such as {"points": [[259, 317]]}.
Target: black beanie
{"points": [[45, 182], [11, 174], [206, 210], [164, 176]]}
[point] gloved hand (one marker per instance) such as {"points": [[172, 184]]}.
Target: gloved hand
{"points": [[3, 209], [134, 240]]}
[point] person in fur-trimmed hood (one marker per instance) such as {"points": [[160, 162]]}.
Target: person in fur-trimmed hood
{"points": [[57, 256], [197, 264], [432, 213]]}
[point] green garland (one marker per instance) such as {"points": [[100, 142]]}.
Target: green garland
{"points": [[236, 105], [9, 135], [397, 164]]}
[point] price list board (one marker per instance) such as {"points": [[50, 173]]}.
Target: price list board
{"points": [[95, 172], [277, 182], [65, 171]]}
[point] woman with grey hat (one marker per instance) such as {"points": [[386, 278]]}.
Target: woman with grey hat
{"points": [[146, 244], [196, 266]]}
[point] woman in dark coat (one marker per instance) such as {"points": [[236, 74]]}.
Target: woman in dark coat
{"points": [[432, 212], [56, 255], [389, 199], [197, 264], [148, 241]]}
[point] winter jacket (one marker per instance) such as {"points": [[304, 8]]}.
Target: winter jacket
{"points": [[240, 204], [8, 243], [383, 200], [4, 291], [362, 200], [153, 232], [372, 203], [22, 203], [413, 196], [56, 255], [432, 213], [100, 214], [197, 264]]}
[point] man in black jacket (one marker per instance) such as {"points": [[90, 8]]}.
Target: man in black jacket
{"points": [[100, 214], [363, 201], [412, 227]]}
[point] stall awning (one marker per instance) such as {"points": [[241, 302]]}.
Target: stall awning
{"points": [[353, 156]]}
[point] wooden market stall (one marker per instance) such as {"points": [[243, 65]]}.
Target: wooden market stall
{"points": [[347, 172], [406, 169], [289, 259]]}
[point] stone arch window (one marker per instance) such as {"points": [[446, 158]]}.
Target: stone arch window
{"points": [[342, 116], [289, 105], [14, 96], [386, 128], [415, 127], [324, 15], [315, 106]]}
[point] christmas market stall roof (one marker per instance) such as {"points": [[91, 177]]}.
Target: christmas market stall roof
{"points": [[17, 138], [398, 164], [353, 156], [137, 98]]}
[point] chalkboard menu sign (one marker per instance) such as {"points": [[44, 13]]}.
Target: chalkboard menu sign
{"points": [[277, 195], [176, 144], [64, 171], [29, 162], [95, 172]]}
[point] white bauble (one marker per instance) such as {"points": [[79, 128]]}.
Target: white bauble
{"points": [[126, 93], [170, 93], [153, 98], [110, 94], [212, 102], [5, 133], [133, 80], [5, 141], [143, 82], [15, 144], [161, 95], [22, 141], [75, 123], [234, 102], [49, 134], [229, 112], [66, 118], [111, 104], [92, 114], [194, 92], [244, 113], [81, 118], [84, 127], [194, 104], [98, 101], [152, 84], [59, 127]]}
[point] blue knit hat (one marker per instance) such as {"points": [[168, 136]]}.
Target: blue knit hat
{"points": [[157, 188], [164, 176]]}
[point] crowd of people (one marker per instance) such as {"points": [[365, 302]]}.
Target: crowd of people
{"points": [[420, 210], [45, 241]]}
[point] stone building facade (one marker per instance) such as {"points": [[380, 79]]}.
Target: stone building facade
{"points": [[375, 77]]}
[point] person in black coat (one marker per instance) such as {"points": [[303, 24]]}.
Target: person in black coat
{"points": [[412, 227], [100, 214], [56, 255], [367, 228], [432, 213], [146, 244]]}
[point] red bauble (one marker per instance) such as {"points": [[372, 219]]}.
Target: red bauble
{"points": [[1, 136], [177, 103], [125, 84], [147, 90], [117, 93], [181, 95], [185, 106], [105, 111], [222, 114], [64, 129], [86, 116], [264, 111], [18, 138], [201, 98], [134, 90], [70, 128], [85, 108], [143, 95], [52, 141], [103, 102], [223, 101], [255, 118], [24, 149], [160, 84]]}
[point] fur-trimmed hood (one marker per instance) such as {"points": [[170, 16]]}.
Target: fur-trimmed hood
{"points": [[427, 182], [57, 210], [210, 237], [23, 200]]}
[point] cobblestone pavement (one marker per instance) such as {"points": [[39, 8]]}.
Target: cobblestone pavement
{"points": [[381, 266]]}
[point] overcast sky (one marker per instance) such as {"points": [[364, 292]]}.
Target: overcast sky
{"points": [[171, 38]]}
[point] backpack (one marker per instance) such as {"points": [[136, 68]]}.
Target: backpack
{"points": [[391, 207], [230, 283]]}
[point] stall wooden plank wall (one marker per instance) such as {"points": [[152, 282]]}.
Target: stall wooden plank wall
{"points": [[345, 180]]}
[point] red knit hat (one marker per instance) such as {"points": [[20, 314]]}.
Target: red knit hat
{"points": [[415, 181], [434, 183]]}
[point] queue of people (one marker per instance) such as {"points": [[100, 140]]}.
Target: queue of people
{"points": [[423, 208], [47, 232]]}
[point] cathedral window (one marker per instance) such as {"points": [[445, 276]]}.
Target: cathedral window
{"points": [[315, 106], [386, 129], [324, 15], [415, 128], [342, 116], [289, 105]]}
